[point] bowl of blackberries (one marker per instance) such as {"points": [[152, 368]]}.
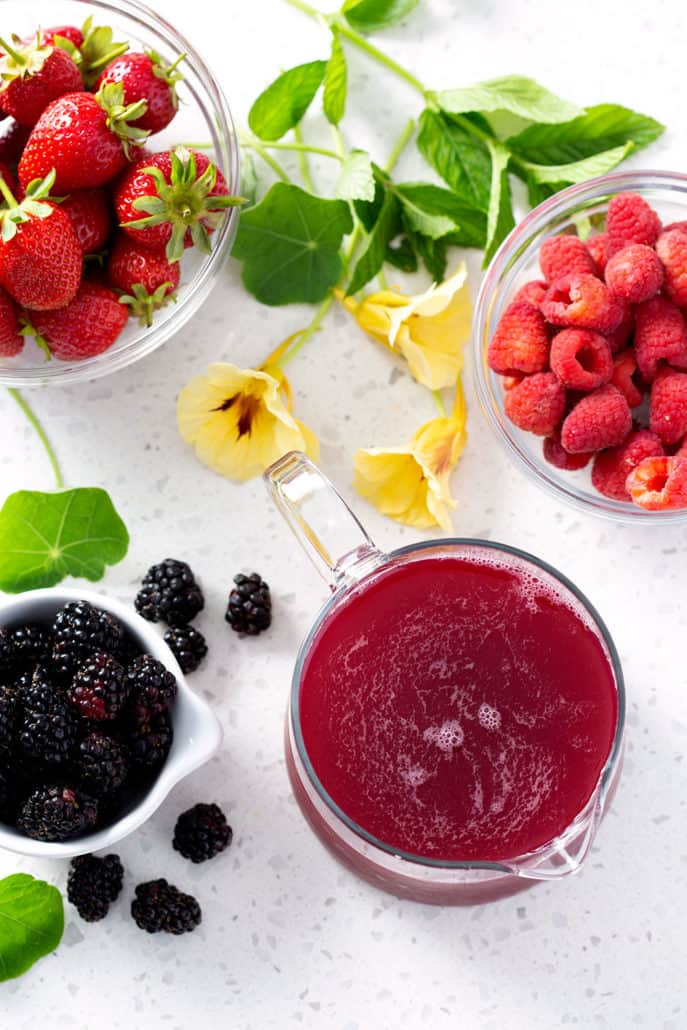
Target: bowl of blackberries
{"points": [[97, 722]]}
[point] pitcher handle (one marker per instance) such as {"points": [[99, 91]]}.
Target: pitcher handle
{"points": [[321, 521]]}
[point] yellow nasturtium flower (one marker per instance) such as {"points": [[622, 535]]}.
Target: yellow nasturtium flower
{"points": [[239, 419], [430, 330]]}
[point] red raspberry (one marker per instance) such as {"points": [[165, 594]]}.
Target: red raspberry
{"points": [[630, 220], [583, 301], [508, 382], [563, 255], [612, 467], [619, 337], [668, 406], [596, 245], [634, 273], [681, 226], [533, 292], [672, 250], [601, 419], [581, 359], [520, 343], [660, 335], [556, 455], [658, 484], [625, 377], [536, 404]]}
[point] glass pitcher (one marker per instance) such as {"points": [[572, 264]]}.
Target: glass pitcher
{"points": [[348, 560]]}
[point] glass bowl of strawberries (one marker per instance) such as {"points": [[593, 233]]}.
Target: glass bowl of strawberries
{"points": [[119, 171], [580, 338]]}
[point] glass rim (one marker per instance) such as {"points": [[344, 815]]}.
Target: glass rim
{"points": [[605, 776]]}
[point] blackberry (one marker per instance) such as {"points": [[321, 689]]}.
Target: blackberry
{"points": [[169, 593], [46, 729], [151, 687], [187, 645], [102, 764], [78, 631], [8, 717], [249, 610], [56, 813], [93, 884], [6, 794], [160, 906], [201, 833], [6, 652], [31, 644], [99, 688], [149, 742]]}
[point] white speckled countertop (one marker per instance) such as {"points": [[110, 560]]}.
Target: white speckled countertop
{"points": [[289, 938]]}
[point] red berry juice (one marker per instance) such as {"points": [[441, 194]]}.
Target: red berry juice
{"points": [[459, 708]]}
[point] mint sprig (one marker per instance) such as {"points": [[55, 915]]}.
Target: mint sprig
{"points": [[31, 923]]}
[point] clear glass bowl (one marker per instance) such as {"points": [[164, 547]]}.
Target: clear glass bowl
{"points": [[203, 117], [514, 264]]}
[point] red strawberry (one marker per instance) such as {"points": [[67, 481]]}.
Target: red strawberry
{"points": [[40, 256], [87, 326], [13, 137], [8, 175], [147, 77], [70, 32], [97, 50], [85, 138], [145, 277], [33, 75], [89, 213], [172, 200], [11, 340]]}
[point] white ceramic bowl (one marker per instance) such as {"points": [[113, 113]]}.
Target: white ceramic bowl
{"points": [[197, 732]]}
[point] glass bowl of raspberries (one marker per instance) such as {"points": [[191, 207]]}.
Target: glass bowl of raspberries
{"points": [[580, 341], [97, 723], [119, 171]]}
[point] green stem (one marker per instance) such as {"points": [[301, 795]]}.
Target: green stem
{"points": [[311, 12], [400, 145], [7, 193], [378, 55], [268, 159], [17, 57], [310, 330], [381, 279], [439, 401], [338, 141], [304, 148], [303, 160], [59, 482]]}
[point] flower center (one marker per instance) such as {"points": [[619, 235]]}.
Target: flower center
{"points": [[247, 408]]}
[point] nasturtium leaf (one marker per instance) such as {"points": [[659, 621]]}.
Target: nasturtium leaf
{"points": [[500, 218], [281, 106], [460, 159], [515, 93], [600, 128], [31, 922], [356, 179], [47, 536], [469, 225], [371, 15], [289, 244], [577, 171], [335, 78], [385, 229]]}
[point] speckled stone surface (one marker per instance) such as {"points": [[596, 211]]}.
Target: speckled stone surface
{"points": [[288, 937]]}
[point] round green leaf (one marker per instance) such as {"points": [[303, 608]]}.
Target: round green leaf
{"points": [[31, 922]]}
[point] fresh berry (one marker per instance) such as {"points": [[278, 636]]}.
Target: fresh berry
{"points": [[672, 250], [78, 631], [70, 32], [583, 301], [149, 742], [668, 406], [537, 404], [601, 419], [89, 213], [249, 610], [147, 77], [612, 467], [8, 719], [6, 652], [11, 340], [187, 645], [170, 593], [532, 292], [30, 644], [47, 729], [564, 255], [581, 359], [93, 884], [201, 833], [151, 688], [660, 335], [99, 688], [620, 336], [596, 245], [630, 220], [160, 906], [193, 195], [102, 764], [626, 377], [508, 382], [520, 342], [33, 75], [556, 455], [85, 138], [634, 273], [54, 813], [680, 226], [659, 484], [87, 326], [13, 137], [7, 793], [144, 277]]}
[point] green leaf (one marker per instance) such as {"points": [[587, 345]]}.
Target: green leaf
{"points": [[289, 245], [282, 105], [433, 254], [577, 171], [31, 922], [368, 210], [600, 128], [356, 179], [469, 225], [334, 95], [460, 159], [47, 536], [371, 260], [515, 93], [370, 15], [419, 219], [500, 218], [402, 255]]}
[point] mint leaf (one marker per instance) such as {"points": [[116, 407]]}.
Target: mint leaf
{"points": [[289, 245], [371, 15], [600, 128], [282, 105], [371, 260], [469, 225], [500, 218], [31, 922], [402, 254], [334, 94], [515, 93], [577, 171], [433, 254], [461, 160], [47, 536], [356, 179], [419, 219]]}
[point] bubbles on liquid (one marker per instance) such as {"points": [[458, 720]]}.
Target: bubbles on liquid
{"points": [[488, 717], [447, 737]]}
